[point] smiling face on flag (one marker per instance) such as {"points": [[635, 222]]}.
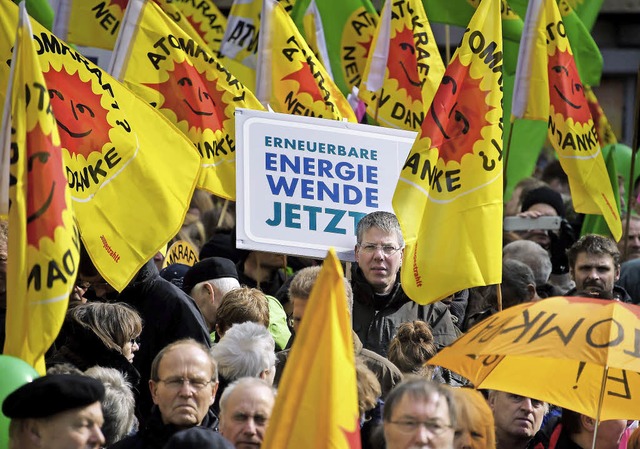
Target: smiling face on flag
{"points": [[457, 115], [565, 88], [46, 201], [404, 67], [193, 98], [81, 118]]}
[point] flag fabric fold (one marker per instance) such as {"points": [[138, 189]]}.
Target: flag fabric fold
{"points": [[131, 173], [317, 402], [290, 78], [188, 85], [44, 243], [404, 67], [449, 196], [555, 94]]}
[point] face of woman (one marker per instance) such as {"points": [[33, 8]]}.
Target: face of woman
{"points": [[130, 348], [470, 436]]}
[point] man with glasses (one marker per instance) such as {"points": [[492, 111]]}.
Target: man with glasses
{"points": [[517, 418], [380, 304], [419, 413], [184, 381]]}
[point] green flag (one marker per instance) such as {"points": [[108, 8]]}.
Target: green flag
{"points": [[587, 10]]}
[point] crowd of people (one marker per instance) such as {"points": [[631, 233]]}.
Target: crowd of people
{"points": [[192, 356]]}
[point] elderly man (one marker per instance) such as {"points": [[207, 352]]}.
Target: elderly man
{"points": [[57, 411], [207, 282], [517, 418], [245, 409], [419, 413], [380, 305], [594, 264], [184, 381]]}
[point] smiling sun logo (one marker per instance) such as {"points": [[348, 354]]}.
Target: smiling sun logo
{"points": [[456, 117], [46, 200], [306, 82], [566, 92], [193, 98], [403, 65], [81, 118]]}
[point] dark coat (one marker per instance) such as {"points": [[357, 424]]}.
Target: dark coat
{"points": [[155, 433], [376, 318], [168, 314], [83, 349]]}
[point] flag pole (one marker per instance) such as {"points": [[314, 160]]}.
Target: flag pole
{"points": [[223, 213], [499, 296], [634, 152], [447, 44], [505, 162]]}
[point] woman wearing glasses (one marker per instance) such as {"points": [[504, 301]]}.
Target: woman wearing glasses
{"points": [[102, 334]]}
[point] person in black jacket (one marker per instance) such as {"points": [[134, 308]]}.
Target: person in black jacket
{"points": [[184, 382], [168, 314], [380, 304]]}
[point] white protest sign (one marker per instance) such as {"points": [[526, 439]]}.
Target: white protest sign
{"points": [[303, 183]]}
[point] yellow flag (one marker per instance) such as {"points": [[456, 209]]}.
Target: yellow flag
{"points": [[240, 41], [92, 23], [44, 242], [556, 95], [404, 67], [130, 171], [606, 136], [290, 78], [449, 195], [317, 403], [188, 85], [203, 16]]}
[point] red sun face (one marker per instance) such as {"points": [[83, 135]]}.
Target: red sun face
{"points": [[457, 115], [122, 4], [566, 92], [403, 66], [306, 82], [192, 97], [82, 120], [46, 187]]}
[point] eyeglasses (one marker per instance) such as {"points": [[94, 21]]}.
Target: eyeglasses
{"points": [[409, 426], [387, 250], [176, 383], [135, 341]]}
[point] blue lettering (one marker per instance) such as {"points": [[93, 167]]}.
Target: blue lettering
{"points": [[313, 214], [291, 215], [333, 224], [282, 184]]}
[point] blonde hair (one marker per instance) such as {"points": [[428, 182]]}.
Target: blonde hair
{"points": [[474, 413]]}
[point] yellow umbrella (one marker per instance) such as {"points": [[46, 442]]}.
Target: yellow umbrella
{"points": [[578, 353]]}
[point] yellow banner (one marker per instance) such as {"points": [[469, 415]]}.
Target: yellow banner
{"points": [[190, 87], [449, 195], [92, 23], [317, 403], [131, 173], [605, 133], [203, 15], [404, 67], [290, 77], [571, 129], [240, 41], [44, 242]]}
